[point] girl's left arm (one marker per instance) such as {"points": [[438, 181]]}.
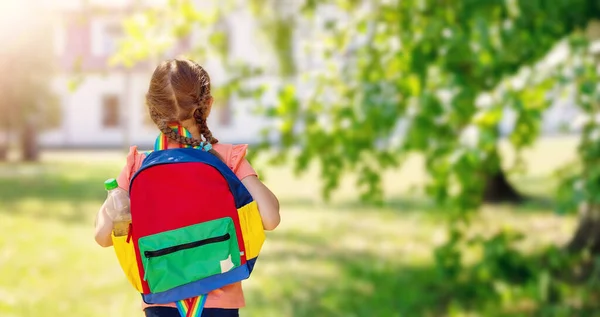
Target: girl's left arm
{"points": [[268, 205]]}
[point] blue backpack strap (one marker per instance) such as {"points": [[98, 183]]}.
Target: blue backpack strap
{"points": [[188, 155]]}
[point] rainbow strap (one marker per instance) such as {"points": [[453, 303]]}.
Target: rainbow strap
{"points": [[191, 307], [162, 141]]}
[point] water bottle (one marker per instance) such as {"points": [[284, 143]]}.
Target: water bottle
{"points": [[117, 207]]}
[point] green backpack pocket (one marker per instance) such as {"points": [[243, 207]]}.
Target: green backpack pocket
{"points": [[177, 257]]}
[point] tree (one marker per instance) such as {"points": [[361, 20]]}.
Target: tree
{"points": [[430, 77], [26, 61], [448, 68], [581, 180], [443, 68]]}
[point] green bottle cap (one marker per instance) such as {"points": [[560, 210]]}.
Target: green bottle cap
{"points": [[110, 184]]}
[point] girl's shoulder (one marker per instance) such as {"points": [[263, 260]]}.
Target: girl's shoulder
{"points": [[229, 152], [134, 161], [232, 154], [135, 156]]}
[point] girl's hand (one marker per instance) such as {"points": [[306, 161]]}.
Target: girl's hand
{"points": [[268, 205], [104, 228]]}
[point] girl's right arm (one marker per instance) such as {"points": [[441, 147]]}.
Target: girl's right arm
{"points": [[268, 205], [104, 224], [104, 228]]}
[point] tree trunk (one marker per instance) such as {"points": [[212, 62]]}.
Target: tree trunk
{"points": [[497, 188], [585, 239], [29, 146], [3, 152], [587, 235], [3, 145]]}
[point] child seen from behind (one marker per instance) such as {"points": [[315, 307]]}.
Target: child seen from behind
{"points": [[179, 97]]}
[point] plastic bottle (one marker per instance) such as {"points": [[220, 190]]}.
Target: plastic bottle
{"points": [[117, 207]]}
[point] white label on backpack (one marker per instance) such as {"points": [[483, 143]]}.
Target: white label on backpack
{"points": [[226, 265]]}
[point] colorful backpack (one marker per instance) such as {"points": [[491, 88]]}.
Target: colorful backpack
{"points": [[195, 228]]}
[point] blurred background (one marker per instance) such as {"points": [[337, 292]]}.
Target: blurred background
{"points": [[432, 158]]}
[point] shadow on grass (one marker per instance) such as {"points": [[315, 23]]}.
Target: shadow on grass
{"points": [[537, 190], [48, 188], [363, 283], [418, 205], [536, 204], [401, 204], [76, 185]]}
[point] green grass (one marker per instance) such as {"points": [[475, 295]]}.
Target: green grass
{"points": [[339, 259]]}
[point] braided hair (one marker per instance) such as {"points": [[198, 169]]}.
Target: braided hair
{"points": [[179, 91]]}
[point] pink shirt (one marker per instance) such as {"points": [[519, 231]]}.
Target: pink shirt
{"points": [[230, 296]]}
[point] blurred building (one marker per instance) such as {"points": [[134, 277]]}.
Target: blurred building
{"points": [[104, 106]]}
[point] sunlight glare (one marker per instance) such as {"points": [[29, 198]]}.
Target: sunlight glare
{"points": [[21, 24], [13, 16]]}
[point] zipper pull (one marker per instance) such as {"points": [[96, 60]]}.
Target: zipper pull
{"points": [[129, 234]]}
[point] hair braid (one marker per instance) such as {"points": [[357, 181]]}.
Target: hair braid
{"points": [[200, 117]]}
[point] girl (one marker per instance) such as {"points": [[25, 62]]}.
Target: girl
{"points": [[179, 94]]}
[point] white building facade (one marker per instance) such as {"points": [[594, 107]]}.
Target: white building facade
{"points": [[103, 106]]}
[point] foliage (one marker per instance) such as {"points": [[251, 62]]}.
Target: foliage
{"points": [[436, 78], [400, 77], [152, 33], [581, 180]]}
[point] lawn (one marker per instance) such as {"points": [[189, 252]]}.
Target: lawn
{"points": [[336, 259]]}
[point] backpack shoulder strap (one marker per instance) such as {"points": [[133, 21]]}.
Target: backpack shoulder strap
{"points": [[188, 155]]}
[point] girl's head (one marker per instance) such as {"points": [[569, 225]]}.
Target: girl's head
{"points": [[179, 92]]}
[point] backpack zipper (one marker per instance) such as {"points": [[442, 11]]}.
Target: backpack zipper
{"points": [[195, 244]]}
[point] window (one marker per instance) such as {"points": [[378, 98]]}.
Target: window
{"points": [[110, 111], [112, 34], [105, 37]]}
